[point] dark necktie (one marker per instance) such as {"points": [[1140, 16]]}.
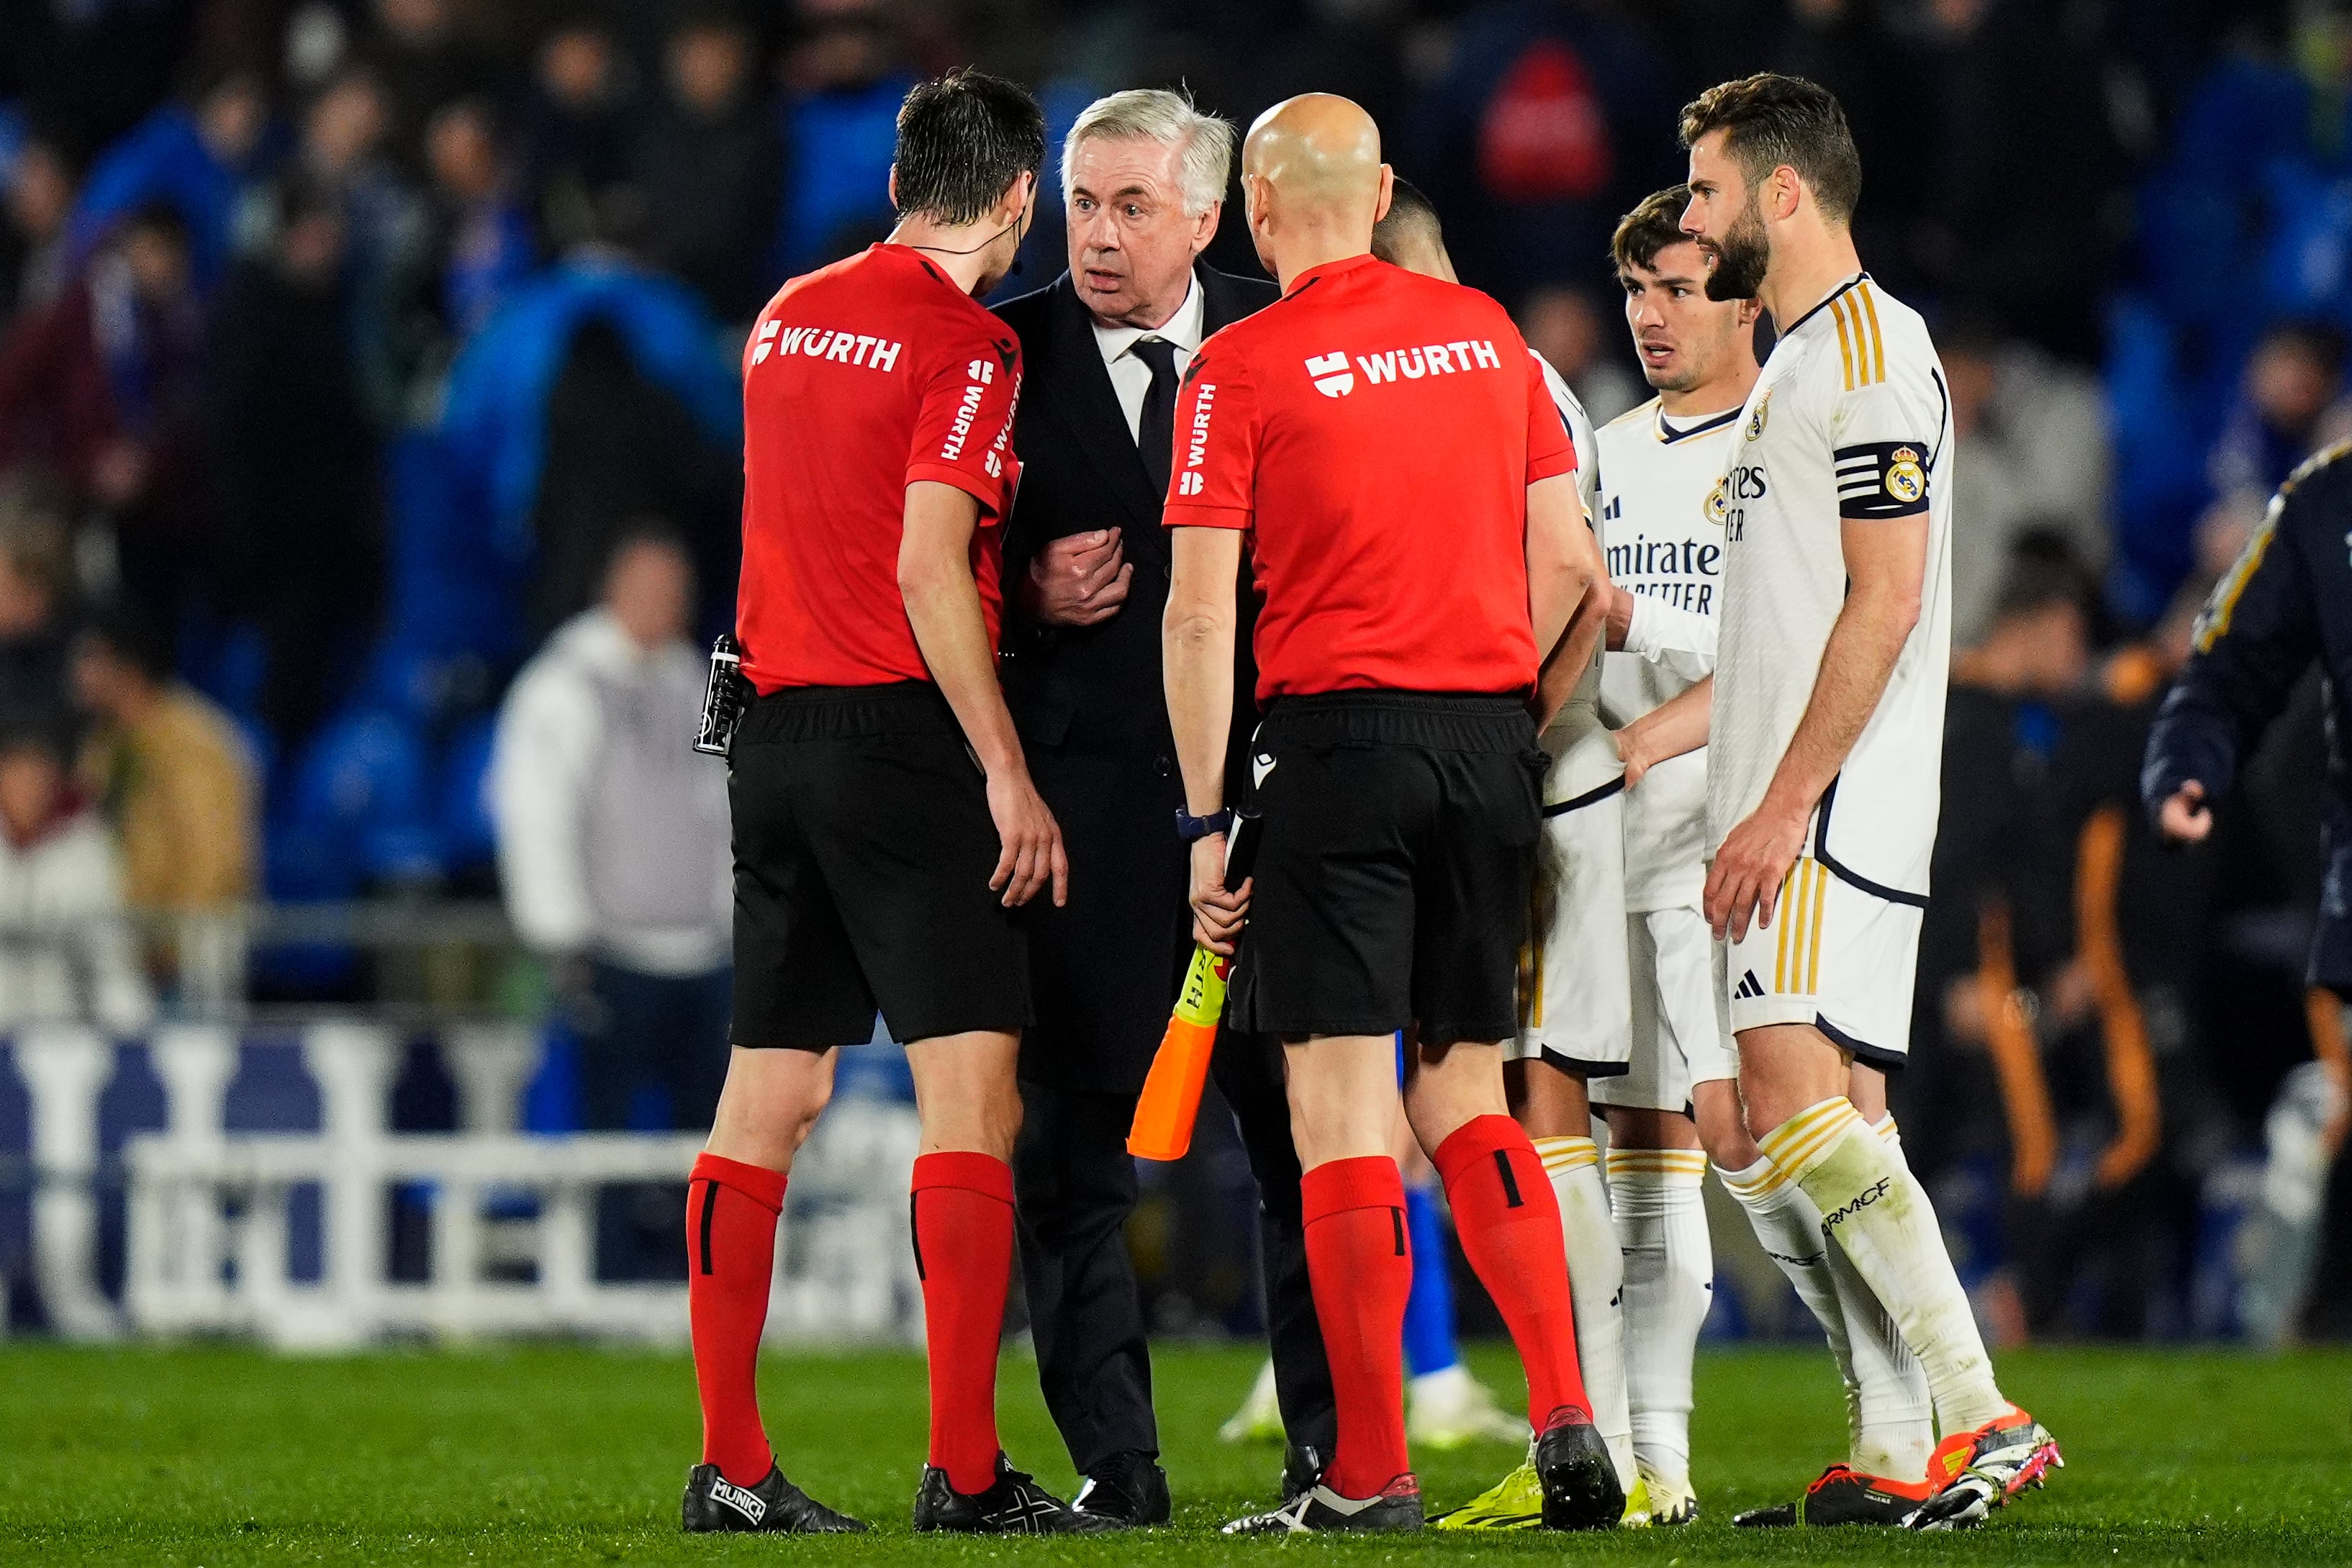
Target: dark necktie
{"points": [[1155, 434]]}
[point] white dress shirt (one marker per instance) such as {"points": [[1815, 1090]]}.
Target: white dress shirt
{"points": [[1130, 377]]}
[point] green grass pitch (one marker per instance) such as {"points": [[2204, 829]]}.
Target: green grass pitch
{"points": [[224, 1456]]}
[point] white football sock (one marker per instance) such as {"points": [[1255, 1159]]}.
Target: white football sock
{"points": [[1788, 1228], [1896, 1416], [1596, 1281], [1889, 1429], [1874, 1209], [1658, 1197]]}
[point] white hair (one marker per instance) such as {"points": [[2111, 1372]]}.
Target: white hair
{"points": [[1204, 143]]}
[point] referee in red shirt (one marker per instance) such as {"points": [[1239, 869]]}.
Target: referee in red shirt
{"points": [[885, 823], [1387, 442]]}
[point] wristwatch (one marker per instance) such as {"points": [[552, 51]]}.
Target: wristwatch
{"points": [[1193, 830]]}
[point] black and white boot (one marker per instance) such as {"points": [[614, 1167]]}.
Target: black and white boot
{"points": [[715, 1503], [1014, 1504], [1396, 1506]]}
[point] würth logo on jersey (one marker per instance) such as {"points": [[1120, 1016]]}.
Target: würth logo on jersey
{"points": [[1332, 376], [826, 343], [982, 373], [1429, 360], [1196, 448]]}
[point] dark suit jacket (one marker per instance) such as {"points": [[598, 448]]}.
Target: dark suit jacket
{"points": [[1091, 707]]}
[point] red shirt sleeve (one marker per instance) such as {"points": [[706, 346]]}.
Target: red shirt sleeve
{"points": [[1213, 472], [1551, 450], [963, 434]]}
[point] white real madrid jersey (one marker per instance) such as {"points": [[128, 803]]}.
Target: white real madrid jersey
{"points": [[1662, 510], [1578, 770], [1850, 418], [1579, 430]]}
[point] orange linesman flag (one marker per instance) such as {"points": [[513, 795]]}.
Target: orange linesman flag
{"points": [[1171, 1092]]}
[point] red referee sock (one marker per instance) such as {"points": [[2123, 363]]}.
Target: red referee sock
{"points": [[1362, 1272], [1508, 1221], [730, 1258], [962, 1208]]}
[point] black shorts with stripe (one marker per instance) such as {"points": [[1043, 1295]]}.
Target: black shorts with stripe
{"points": [[863, 849], [1396, 852]]}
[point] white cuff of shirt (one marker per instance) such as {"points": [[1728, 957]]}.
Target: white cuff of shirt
{"points": [[1641, 630]]}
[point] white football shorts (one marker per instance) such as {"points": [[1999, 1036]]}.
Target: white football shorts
{"points": [[1678, 1038], [1835, 957], [1575, 991]]}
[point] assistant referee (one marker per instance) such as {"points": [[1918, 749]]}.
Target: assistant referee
{"points": [[1387, 442], [885, 823]]}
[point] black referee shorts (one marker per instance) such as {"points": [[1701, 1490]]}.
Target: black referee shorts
{"points": [[1393, 866], [863, 849]]}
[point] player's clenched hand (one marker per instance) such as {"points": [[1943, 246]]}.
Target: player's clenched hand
{"points": [[1031, 839], [1079, 579], [2185, 818], [1745, 879], [1218, 913]]}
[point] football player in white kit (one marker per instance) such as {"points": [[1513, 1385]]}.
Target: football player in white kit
{"points": [[1825, 742], [1586, 1030], [1663, 508]]}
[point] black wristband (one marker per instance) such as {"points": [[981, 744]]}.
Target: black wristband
{"points": [[1193, 830]]}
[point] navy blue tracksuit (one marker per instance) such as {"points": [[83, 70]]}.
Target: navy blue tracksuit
{"points": [[2287, 601]]}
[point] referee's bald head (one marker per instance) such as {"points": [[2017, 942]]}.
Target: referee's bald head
{"points": [[1313, 182]]}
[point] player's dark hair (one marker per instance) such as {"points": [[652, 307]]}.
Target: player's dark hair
{"points": [[1771, 120], [1655, 223], [963, 139], [1411, 212]]}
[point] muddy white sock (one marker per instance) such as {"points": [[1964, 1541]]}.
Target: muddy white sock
{"points": [[1874, 1209]]}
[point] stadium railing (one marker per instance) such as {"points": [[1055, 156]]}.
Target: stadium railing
{"points": [[288, 1233]]}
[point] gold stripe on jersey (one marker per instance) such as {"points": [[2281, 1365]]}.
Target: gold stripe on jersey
{"points": [[2214, 623], [1780, 963], [1877, 340], [1846, 343], [1813, 943]]}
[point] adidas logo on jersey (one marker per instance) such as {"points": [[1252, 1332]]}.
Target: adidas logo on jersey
{"points": [[1749, 986]]}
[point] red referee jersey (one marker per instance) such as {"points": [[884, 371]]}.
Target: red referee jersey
{"points": [[1378, 431], [857, 381]]}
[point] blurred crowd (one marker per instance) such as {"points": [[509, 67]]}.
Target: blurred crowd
{"points": [[356, 355]]}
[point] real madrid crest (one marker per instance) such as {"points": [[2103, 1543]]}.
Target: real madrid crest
{"points": [[1756, 420], [1906, 480], [1718, 502]]}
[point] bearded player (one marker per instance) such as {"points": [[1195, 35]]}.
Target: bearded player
{"points": [[1825, 740], [1663, 511]]}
